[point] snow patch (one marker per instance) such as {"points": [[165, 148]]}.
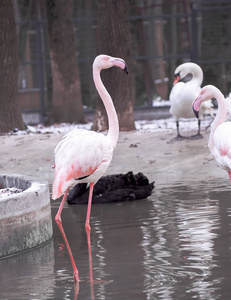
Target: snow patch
{"points": [[142, 125], [9, 191]]}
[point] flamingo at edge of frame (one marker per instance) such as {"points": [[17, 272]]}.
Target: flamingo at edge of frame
{"points": [[220, 134], [83, 156]]}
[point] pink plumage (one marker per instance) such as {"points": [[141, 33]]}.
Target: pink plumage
{"points": [[84, 156], [220, 135], [79, 155]]}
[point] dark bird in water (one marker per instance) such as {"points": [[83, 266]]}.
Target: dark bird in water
{"points": [[113, 188]]}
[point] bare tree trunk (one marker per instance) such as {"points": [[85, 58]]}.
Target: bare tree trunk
{"points": [[10, 116], [114, 39], [66, 98]]}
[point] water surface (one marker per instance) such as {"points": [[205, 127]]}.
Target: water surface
{"points": [[174, 245]]}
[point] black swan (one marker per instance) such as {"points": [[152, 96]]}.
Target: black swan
{"points": [[113, 188]]}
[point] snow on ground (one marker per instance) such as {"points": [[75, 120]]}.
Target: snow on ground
{"points": [[9, 191], [54, 129], [158, 102], [170, 124], [142, 125]]}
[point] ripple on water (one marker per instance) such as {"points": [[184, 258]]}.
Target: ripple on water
{"points": [[179, 243]]}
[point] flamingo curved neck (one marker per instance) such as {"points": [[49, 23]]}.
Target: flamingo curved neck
{"points": [[113, 130], [219, 119]]}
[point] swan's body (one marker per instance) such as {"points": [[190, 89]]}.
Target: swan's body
{"points": [[220, 135], [113, 188], [183, 93], [84, 156]]}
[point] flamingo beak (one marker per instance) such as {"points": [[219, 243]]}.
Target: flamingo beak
{"points": [[196, 112], [196, 106], [126, 69], [121, 64]]}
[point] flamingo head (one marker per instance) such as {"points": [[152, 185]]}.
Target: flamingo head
{"points": [[105, 62], [196, 105], [206, 93]]}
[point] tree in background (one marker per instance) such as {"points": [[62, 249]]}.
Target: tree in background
{"points": [[114, 39], [84, 21], [66, 90], [10, 116]]}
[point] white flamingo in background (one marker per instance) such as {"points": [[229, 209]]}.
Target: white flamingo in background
{"points": [[187, 85], [84, 156], [220, 135]]}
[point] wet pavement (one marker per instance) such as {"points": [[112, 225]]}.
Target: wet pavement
{"points": [[174, 245]]}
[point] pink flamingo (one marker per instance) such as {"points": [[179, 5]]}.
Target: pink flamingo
{"points": [[84, 156], [220, 135]]}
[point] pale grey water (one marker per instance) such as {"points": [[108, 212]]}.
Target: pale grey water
{"points": [[174, 245]]}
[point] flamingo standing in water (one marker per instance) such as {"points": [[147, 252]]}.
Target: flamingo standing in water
{"points": [[83, 156], [187, 85], [220, 135]]}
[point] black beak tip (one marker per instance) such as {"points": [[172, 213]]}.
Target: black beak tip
{"points": [[126, 69], [196, 113]]}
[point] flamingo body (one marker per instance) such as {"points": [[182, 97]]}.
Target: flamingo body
{"points": [[220, 135], [222, 146], [183, 93], [81, 156]]}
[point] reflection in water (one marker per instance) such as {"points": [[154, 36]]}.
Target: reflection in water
{"points": [[29, 275], [173, 246], [75, 271], [179, 244], [198, 223]]}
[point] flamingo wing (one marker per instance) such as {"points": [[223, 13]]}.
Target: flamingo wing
{"points": [[78, 156]]}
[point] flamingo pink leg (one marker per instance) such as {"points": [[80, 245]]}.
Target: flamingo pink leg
{"points": [[87, 224], [90, 264], [75, 271], [59, 223], [58, 215]]}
